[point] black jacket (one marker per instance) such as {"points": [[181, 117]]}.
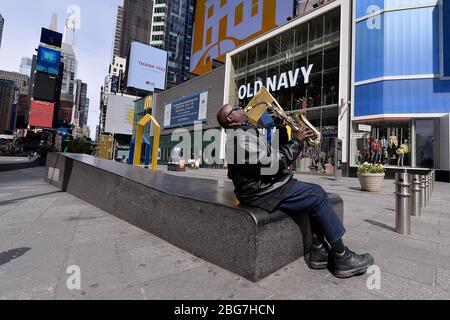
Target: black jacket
{"points": [[261, 179]]}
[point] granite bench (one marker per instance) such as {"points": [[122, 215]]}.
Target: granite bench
{"points": [[199, 216]]}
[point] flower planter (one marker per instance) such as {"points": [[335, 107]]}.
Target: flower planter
{"points": [[371, 182]]}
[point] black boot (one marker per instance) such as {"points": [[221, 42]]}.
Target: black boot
{"points": [[317, 257], [350, 264]]}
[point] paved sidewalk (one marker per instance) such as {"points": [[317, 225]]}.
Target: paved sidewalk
{"points": [[44, 231]]}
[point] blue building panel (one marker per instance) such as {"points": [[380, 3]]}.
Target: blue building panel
{"points": [[365, 7], [446, 38], [402, 96], [406, 44]]}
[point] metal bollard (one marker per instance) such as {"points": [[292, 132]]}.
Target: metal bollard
{"points": [[427, 189], [433, 177], [430, 178], [402, 213], [423, 191], [416, 196]]}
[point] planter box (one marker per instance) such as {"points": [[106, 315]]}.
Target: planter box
{"points": [[371, 182]]}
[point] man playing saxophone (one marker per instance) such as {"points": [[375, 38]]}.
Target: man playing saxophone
{"points": [[280, 191]]}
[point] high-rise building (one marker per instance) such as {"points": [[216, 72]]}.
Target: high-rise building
{"points": [[70, 69], [118, 31], [136, 23], [81, 103], [2, 23], [172, 25], [20, 80], [25, 66]]}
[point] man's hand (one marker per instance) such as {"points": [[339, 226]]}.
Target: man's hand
{"points": [[304, 133]]}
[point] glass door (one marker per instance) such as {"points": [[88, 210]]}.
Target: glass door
{"points": [[425, 143]]}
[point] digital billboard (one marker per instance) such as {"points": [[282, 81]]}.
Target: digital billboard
{"points": [[44, 87], [186, 111], [221, 26], [41, 114], [51, 37], [146, 67], [48, 61], [119, 114]]}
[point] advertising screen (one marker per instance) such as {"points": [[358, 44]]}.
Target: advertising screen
{"points": [[44, 87], [186, 111], [51, 37], [147, 67], [120, 114], [41, 114], [220, 29], [48, 61]]}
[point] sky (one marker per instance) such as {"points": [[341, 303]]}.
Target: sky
{"points": [[94, 40]]}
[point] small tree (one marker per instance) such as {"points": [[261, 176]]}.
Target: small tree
{"points": [[80, 145]]}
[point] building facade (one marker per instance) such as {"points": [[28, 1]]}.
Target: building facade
{"points": [[136, 23], [203, 96], [81, 104], [25, 66], [118, 31], [305, 65], [22, 82], [172, 25], [400, 88], [19, 79], [369, 73], [70, 69]]}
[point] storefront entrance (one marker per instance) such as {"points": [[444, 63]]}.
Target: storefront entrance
{"points": [[408, 143], [320, 160]]}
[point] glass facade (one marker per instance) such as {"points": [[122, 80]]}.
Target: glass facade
{"points": [[407, 143], [315, 43]]}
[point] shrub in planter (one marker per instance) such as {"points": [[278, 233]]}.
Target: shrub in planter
{"points": [[371, 176], [80, 145]]}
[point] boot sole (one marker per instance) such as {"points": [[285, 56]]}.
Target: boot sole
{"points": [[350, 273], [317, 265]]}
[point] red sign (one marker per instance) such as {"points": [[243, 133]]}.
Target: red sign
{"points": [[41, 114]]}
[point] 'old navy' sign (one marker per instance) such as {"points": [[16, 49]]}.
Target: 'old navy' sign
{"points": [[285, 80]]}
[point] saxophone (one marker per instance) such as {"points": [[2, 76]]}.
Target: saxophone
{"points": [[263, 101]]}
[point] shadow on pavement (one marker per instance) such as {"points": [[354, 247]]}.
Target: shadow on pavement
{"points": [[7, 202], [12, 254], [380, 224]]}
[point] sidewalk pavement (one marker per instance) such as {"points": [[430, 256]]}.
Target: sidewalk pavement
{"points": [[43, 231]]}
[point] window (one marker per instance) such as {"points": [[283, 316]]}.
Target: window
{"points": [[239, 14], [209, 36], [210, 11], [254, 7]]}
